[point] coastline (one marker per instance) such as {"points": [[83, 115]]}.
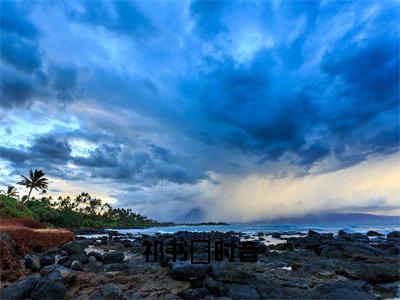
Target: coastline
{"points": [[312, 265]]}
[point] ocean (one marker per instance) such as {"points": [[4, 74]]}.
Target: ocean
{"points": [[268, 228]]}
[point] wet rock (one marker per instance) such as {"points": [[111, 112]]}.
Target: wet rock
{"points": [[361, 249], [237, 291], [111, 291], [21, 289], [76, 265], [97, 255], [374, 233], [47, 260], [371, 273], [353, 237], [32, 262], [62, 260], [113, 257], [313, 234], [194, 293], [215, 287], [276, 235], [79, 257], [58, 273], [342, 289], [393, 235], [184, 270], [48, 289], [73, 248]]}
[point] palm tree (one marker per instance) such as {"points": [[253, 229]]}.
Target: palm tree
{"points": [[11, 192], [35, 181]]}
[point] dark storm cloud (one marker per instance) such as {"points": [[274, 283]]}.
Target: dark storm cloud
{"points": [[53, 154], [26, 74], [208, 16], [13, 19], [21, 53], [121, 17], [297, 82]]}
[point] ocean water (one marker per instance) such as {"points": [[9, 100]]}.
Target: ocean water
{"points": [[268, 228]]}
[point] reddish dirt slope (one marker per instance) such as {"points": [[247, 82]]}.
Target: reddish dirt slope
{"points": [[21, 236]]}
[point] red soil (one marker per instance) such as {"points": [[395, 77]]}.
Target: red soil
{"points": [[21, 236]]}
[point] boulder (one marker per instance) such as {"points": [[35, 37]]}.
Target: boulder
{"points": [[97, 255], [58, 273], [237, 291], [32, 262], [113, 257], [393, 235], [111, 291], [184, 270], [215, 287], [194, 293], [21, 289], [371, 273], [76, 265], [374, 233], [342, 289], [73, 248], [46, 260], [62, 260], [81, 257], [48, 289]]}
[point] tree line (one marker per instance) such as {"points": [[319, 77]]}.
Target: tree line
{"points": [[80, 211]]}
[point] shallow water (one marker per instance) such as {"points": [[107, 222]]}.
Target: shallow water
{"points": [[268, 228]]}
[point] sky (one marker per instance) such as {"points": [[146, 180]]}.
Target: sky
{"points": [[247, 110]]}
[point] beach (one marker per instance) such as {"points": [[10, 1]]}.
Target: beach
{"points": [[106, 264]]}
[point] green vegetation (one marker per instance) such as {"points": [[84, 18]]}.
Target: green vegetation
{"points": [[81, 211], [13, 208]]}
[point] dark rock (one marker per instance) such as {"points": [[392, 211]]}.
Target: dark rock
{"points": [[73, 247], [342, 289], [62, 259], [276, 235], [313, 234], [97, 255], [21, 289], [237, 291], [330, 251], [184, 270], [353, 237], [79, 257], [374, 233], [393, 235], [194, 293], [32, 262], [371, 273], [76, 265], [47, 260], [68, 263], [113, 257], [215, 287], [58, 273], [48, 289], [356, 249], [111, 291]]}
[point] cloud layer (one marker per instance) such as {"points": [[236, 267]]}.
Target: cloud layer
{"points": [[159, 103]]}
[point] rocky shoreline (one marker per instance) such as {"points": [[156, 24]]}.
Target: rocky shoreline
{"points": [[313, 265]]}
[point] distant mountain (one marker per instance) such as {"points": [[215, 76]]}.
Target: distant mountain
{"points": [[324, 218], [196, 215]]}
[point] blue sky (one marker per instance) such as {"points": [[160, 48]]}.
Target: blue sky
{"points": [[168, 106]]}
